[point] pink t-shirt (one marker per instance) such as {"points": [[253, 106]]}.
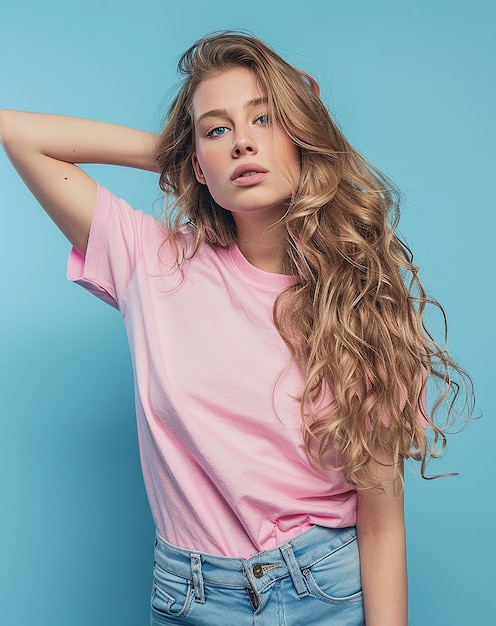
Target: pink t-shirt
{"points": [[219, 422]]}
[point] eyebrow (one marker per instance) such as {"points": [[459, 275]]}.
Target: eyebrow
{"points": [[251, 104]]}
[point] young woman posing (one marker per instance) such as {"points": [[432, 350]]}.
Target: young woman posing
{"points": [[276, 327]]}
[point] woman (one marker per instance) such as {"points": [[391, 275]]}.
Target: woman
{"points": [[276, 328]]}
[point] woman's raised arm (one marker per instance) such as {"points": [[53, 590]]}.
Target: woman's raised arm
{"points": [[44, 149]]}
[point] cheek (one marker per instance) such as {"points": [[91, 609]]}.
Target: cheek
{"points": [[293, 165], [290, 157], [208, 175], [200, 166]]}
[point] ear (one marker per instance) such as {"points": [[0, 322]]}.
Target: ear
{"points": [[197, 169]]}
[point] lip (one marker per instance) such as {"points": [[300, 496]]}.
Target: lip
{"points": [[257, 175]]}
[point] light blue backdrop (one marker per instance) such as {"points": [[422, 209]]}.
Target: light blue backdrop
{"points": [[412, 84]]}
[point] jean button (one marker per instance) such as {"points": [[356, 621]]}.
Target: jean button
{"points": [[257, 571]]}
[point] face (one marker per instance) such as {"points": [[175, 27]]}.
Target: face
{"points": [[248, 163]]}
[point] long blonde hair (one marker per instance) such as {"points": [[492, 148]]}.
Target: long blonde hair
{"points": [[354, 319]]}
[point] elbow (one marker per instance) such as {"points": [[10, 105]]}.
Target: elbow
{"points": [[8, 124]]}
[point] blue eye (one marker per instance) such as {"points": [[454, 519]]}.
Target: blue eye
{"points": [[263, 119], [217, 131]]}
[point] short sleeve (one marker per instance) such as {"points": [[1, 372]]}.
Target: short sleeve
{"points": [[114, 250]]}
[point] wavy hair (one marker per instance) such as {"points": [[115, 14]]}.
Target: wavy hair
{"points": [[354, 318]]}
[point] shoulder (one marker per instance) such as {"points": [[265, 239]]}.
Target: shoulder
{"points": [[117, 218]]}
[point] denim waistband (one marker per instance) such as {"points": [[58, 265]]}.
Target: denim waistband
{"points": [[261, 569]]}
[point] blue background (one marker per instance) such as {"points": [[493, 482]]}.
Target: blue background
{"points": [[412, 85]]}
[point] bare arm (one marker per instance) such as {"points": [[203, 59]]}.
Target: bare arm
{"points": [[44, 150], [381, 541]]}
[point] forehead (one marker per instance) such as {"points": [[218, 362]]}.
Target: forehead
{"points": [[226, 90]]}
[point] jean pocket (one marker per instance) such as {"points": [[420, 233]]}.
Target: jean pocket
{"points": [[335, 578], [172, 595]]}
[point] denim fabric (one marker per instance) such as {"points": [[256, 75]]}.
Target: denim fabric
{"points": [[313, 580]]}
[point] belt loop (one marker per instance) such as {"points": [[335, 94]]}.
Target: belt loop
{"points": [[294, 570], [196, 573]]}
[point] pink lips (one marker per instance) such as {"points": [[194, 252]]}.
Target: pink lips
{"points": [[248, 174]]}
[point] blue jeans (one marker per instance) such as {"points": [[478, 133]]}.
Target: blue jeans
{"points": [[312, 580]]}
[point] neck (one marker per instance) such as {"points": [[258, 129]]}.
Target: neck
{"points": [[261, 244]]}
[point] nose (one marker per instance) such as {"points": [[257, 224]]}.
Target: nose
{"points": [[243, 144]]}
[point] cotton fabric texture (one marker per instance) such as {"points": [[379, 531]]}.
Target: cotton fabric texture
{"points": [[217, 406]]}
